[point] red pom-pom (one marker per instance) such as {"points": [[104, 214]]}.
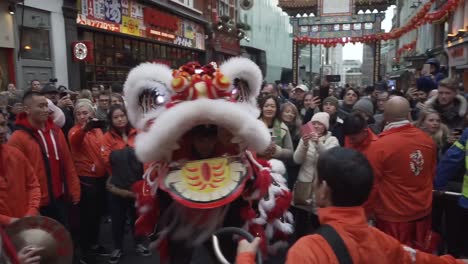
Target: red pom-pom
{"points": [[247, 213], [282, 203]]}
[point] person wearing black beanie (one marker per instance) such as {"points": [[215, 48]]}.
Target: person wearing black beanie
{"points": [[424, 85]]}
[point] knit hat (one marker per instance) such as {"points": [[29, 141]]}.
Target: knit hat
{"points": [[425, 84], [332, 100], [364, 105], [323, 118]]}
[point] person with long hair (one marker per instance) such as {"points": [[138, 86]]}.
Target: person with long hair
{"points": [[429, 121], [281, 147], [290, 116], [120, 160]]}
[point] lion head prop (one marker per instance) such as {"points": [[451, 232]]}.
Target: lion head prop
{"points": [[178, 110]]}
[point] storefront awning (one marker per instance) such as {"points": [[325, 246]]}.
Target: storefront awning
{"points": [[397, 74]]}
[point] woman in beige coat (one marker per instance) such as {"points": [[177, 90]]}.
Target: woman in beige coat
{"points": [[307, 153]]}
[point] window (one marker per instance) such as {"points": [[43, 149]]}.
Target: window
{"points": [[115, 56], [36, 44], [188, 3], [223, 8]]}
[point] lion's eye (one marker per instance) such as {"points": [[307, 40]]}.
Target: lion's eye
{"points": [[152, 98]]}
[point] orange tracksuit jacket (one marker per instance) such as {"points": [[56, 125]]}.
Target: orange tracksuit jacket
{"points": [[86, 150], [404, 162], [364, 146], [113, 141], [20, 193], [32, 150], [366, 245]]}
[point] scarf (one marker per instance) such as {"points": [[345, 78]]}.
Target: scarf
{"points": [[276, 132]]}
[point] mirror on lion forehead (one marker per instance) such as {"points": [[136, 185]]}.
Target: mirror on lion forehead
{"points": [[151, 98]]}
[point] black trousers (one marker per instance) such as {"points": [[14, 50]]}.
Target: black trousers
{"points": [[451, 221], [120, 209], [93, 196], [58, 210]]}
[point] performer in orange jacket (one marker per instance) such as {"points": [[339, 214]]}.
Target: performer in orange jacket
{"points": [[46, 148], [404, 160], [19, 189], [344, 184], [86, 139], [358, 135]]}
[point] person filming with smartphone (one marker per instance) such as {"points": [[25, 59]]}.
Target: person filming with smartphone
{"points": [[86, 139], [315, 140]]}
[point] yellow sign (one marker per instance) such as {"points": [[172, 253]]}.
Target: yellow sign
{"points": [[130, 26]]}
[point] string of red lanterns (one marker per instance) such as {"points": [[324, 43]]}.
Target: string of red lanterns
{"points": [[421, 18], [405, 48]]}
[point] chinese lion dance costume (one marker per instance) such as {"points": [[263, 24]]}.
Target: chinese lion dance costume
{"points": [[182, 199]]}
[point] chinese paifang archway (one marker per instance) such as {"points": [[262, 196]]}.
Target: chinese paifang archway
{"points": [[338, 22]]}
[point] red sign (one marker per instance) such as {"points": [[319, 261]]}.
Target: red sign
{"points": [[457, 52], [458, 55], [160, 34], [82, 20], [228, 44], [160, 19], [83, 51]]}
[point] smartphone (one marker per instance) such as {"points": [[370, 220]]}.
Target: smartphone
{"points": [[458, 131], [324, 92], [97, 124], [307, 129], [426, 69]]}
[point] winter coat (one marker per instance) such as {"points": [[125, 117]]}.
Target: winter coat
{"points": [[285, 150], [451, 169], [20, 193], [113, 141], [364, 243], [31, 145], [344, 110], [308, 157], [86, 151], [403, 173], [120, 156], [453, 117]]}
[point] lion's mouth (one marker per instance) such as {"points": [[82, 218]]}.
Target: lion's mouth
{"points": [[207, 177]]}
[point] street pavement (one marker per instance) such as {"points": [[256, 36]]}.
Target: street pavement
{"points": [[130, 257]]}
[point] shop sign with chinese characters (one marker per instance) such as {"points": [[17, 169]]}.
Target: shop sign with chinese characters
{"points": [[132, 18]]}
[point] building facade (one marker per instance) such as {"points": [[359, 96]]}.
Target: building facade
{"points": [[311, 59], [7, 45], [32, 44], [120, 34], [354, 77], [270, 34], [457, 44]]}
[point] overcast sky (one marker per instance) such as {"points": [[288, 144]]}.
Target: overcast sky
{"points": [[354, 52]]}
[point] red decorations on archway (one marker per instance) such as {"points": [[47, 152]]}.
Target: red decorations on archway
{"points": [[421, 18]]}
